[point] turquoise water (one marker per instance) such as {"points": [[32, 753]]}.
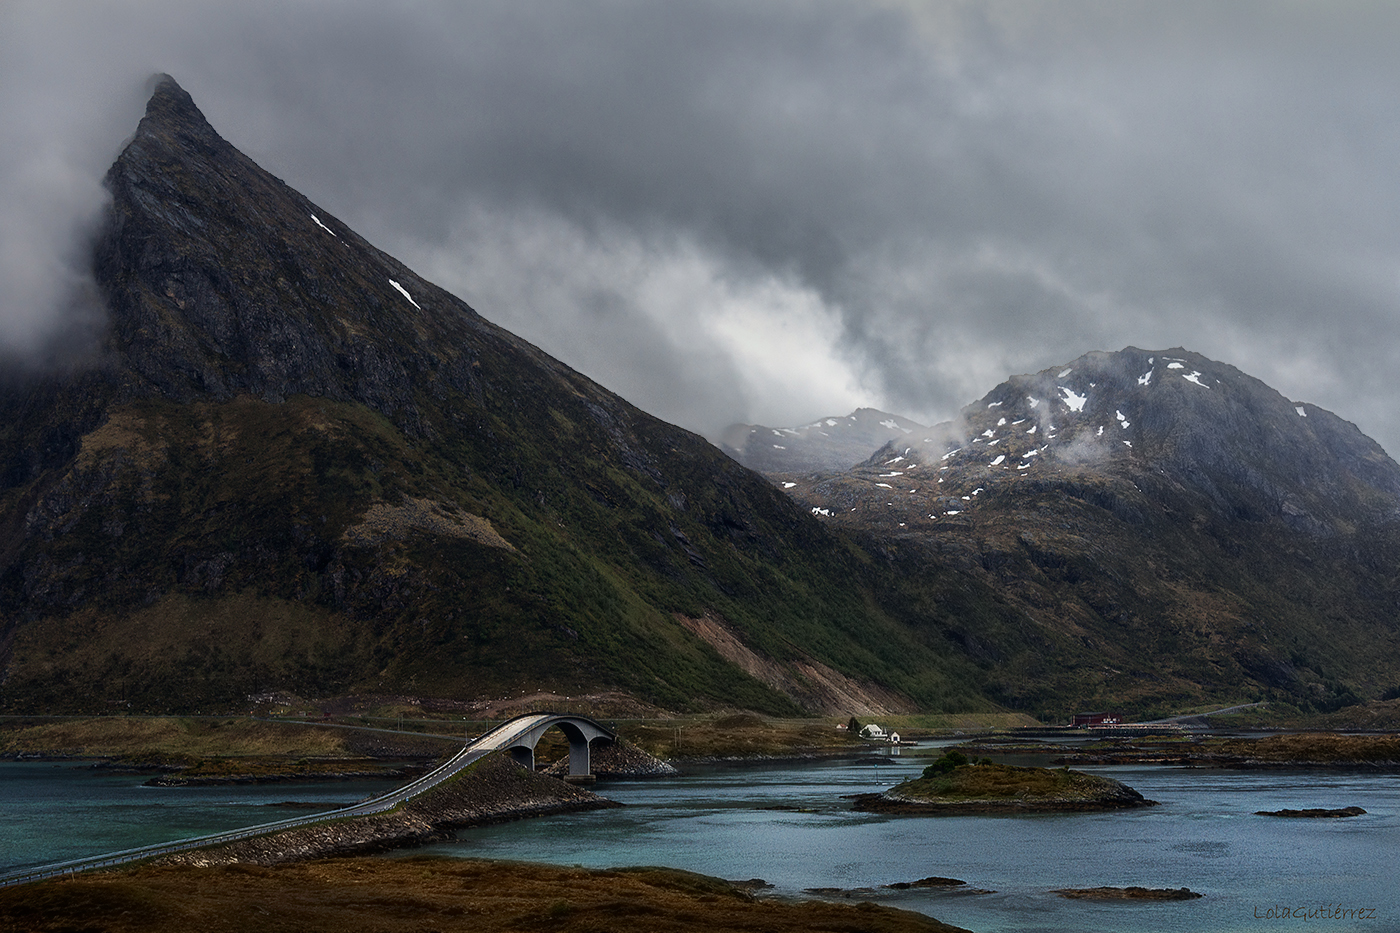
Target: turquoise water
{"points": [[720, 821], [54, 812], [1204, 836]]}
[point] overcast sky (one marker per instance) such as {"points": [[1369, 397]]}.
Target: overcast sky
{"points": [[774, 211]]}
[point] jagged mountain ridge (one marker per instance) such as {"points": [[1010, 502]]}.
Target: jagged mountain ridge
{"points": [[831, 443], [297, 465], [1214, 430], [1152, 512]]}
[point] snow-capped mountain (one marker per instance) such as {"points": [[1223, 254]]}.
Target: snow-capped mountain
{"points": [[1206, 426], [832, 443], [1158, 517]]}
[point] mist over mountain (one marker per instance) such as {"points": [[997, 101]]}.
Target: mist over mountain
{"points": [[293, 464], [297, 465], [1160, 518], [833, 443]]}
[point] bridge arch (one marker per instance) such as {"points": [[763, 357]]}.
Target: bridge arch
{"points": [[581, 732]]}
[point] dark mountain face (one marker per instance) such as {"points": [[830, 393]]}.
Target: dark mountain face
{"points": [[299, 466], [296, 466], [827, 444], [1159, 520]]}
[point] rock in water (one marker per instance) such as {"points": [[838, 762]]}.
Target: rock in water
{"points": [[1314, 813]]}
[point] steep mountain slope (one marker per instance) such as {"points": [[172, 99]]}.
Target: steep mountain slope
{"points": [[1165, 527], [297, 465], [835, 443]]}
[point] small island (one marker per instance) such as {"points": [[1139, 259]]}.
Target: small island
{"points": [[1315, 813], [954, 785], [1128, 894]]}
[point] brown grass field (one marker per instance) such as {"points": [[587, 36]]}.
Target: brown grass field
{"points": [[419, 894]]}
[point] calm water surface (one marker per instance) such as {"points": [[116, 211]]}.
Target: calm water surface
{"points": [[1204, 836], [721, 821], [55, 812]]}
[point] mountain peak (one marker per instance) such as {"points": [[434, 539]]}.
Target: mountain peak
{"points": [[294, 433], [222, 280], [171, 115]]}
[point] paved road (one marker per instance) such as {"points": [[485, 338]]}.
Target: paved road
{"points": [[494, 740]]}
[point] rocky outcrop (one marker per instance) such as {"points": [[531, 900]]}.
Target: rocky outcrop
{"points": [[495, 790]]}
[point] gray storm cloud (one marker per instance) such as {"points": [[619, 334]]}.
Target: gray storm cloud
{"points": [[776, 211]]}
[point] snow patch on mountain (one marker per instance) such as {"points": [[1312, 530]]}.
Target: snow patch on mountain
{"points": [[1072, 400], [403, 291]]}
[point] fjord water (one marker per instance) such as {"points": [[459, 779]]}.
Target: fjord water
{"points": [[53, 812], [1205, 836], [790, 825]]}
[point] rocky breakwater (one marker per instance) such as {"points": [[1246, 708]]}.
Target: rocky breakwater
{"points": [[494, 790], [955, 785]]}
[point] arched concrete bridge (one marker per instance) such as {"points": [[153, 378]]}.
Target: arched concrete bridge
{"points": [[518, 737], [579, 730]]}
